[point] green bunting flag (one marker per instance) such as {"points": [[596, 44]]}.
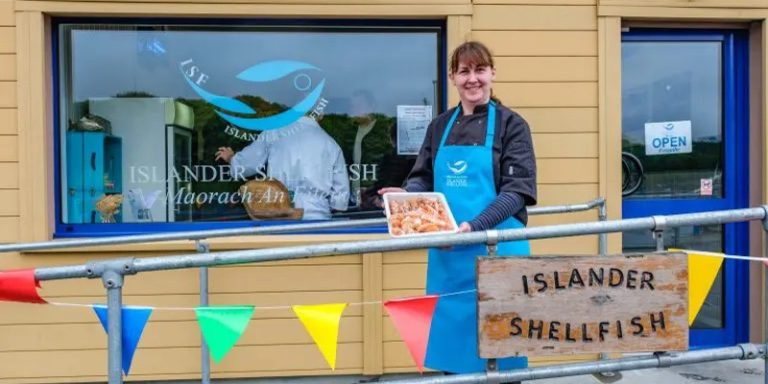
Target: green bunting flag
{"points": [[222, 327]]}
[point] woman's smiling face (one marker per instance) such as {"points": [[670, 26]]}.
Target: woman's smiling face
{"points": [[473, 83]]}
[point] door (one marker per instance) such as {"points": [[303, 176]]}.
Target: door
{"points": [[684, 149]]}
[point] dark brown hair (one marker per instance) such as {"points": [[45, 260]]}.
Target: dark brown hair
{"points": [[471, 52]]}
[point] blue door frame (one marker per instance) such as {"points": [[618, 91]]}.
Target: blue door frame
{"points": [[735, 98]]}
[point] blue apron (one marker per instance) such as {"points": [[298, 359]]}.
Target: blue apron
{"points": [[465, 175]]}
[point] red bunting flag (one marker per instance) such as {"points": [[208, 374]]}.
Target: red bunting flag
{"points": [[413, 318], [20, 285]]}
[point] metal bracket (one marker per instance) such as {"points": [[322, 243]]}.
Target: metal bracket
{"points": [[751, 351], [492, 372], [765, 219], [664, 358], [202, 246], [111, 271], [659, 225], [492, 241]]}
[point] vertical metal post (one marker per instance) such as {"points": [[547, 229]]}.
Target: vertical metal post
{"points": [[602, 239], [113, 281], [659, 236], [205, 360], [765, 295]]}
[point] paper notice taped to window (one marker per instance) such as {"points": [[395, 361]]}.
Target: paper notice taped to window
{"points": [[412, 123]]}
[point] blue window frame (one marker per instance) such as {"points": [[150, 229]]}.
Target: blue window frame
{"points": [[143, 105]]}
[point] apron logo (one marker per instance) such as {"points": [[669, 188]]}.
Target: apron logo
{"points": [[459, 167], [261, 73]]}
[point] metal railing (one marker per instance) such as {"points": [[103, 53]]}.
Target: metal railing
{"points": [[112, 273], [115, 300]]}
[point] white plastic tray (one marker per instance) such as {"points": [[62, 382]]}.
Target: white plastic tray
{"points": [[403, 196]]}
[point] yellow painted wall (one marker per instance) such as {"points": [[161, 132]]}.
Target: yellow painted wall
{"points": [[556, 65]]}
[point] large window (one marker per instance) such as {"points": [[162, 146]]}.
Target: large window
{"points": [[318, 116]]}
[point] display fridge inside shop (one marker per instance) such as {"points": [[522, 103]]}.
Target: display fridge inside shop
{"points": [[149, 141]]}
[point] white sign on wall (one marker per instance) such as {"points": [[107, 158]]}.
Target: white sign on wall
{"points": [[668, 138]]}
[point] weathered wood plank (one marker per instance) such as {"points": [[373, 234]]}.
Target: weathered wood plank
{"points": [[534, 17], [539, 43], [570, 145], [557, 120], [7, 39], [555, 68], [569, 94], [8, 120], [7, 67], [570, 305]]}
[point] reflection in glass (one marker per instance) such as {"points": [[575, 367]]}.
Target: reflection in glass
{"points": [[674, 82], [174, 95], [700, 237]]}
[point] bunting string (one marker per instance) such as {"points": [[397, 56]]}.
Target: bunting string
{"points": [[261, 309]]}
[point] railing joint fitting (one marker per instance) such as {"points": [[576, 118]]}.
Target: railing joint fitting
{"points": [[664, 359], [659, 223], [108, 269], [492, 240], [765, 217], [202, 246], [751, 351], [492, 374]]}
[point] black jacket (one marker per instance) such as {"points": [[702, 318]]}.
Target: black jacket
{"points": [[514, 161]]}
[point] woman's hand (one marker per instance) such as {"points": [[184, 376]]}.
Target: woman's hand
{"points": [[225, 154], [391, 190], [464, 227]]}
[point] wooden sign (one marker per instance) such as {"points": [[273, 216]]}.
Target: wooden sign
{"points": [[569, 305]]}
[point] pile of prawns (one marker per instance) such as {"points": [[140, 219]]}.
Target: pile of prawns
{"points": [[418, 215]]}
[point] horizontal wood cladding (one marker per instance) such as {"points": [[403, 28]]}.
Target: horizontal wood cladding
{"points": [[565, 145], [10, 230], [8, 94], [547, 94], [7, 16], [534, 17], [278, 303], [8, 121], [182, 360], [280, 9], [538, 2], [162, 334], [539, 43], [549, 69], [683, 13], [7, 39], [562, 171], [9, 148], [689, 3], [224, 280], [7, 67], [560, 120], [558, 194], [9, 176], [9, 202], [300, 2]]}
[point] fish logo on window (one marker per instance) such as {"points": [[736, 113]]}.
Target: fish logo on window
{"points": [[261, 73], [458, 167]]}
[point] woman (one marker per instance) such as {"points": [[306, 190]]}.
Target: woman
{"points": [[480, 155]]}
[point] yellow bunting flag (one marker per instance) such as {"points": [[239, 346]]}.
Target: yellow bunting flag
{"points": [[322, 323], [702, 271]]}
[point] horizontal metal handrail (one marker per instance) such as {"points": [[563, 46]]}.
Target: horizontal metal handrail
{"points": [[260, 230], [130, 266], [741, 351]]}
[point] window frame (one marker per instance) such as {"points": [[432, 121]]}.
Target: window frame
{"points": [[64, 230]]}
